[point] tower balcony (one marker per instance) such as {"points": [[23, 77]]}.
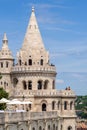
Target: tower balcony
{"points": [[26, 69]]}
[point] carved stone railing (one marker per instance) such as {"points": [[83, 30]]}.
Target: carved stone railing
{"points": [[25, 116], [33, 68], [41, 93]]}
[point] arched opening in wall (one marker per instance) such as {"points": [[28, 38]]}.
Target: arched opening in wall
{"points": [[40, 128], [71, 105], [56, 127], [30, 85], [46, 84], [6, 64], [33, 128], [20, 62], [41, 62], [53, 84], [48, 127], [53, 105], [29, 106], [1, 64], [53, 126], [30, 62], [61, 127], [65, 105], [69, 128], [58, 105], [39, 84], [43, 107], [24, 85], [15, 81]]}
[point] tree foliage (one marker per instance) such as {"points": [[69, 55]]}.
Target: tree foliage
{"points": [[3, 94], [81, 106]]}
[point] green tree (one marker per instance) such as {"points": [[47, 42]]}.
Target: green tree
{"points": [[3, 94]]}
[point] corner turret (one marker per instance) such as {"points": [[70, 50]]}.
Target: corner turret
{"points": [[6, 63]]}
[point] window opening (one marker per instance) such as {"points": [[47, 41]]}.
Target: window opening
{"points": [[24, 85], [41, 62], [30, 85], [30, 62], [39, 84], [65, 105], [43, 107]]}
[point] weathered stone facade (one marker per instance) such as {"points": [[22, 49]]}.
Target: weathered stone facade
{"points": [[32, 78]]}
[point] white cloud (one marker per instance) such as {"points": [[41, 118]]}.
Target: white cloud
{"points": [[59, 81]]}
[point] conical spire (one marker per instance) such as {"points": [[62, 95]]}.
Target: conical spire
{"points": [[32, 37], [5, 42]]}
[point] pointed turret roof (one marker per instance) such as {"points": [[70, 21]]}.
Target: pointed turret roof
{"points": [[33, 39], [5, 52], [5, 42]]}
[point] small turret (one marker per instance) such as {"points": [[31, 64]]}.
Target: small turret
{"points": [[6, 58], [5, 51], [6, 63]]}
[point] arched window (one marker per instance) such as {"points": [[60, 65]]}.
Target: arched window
{"points": [[53, 105], [71, 105], [41, 62], [46, 84], [30, 61], [65, 105], [20, 62], [56, 127], [40, 128], [43, 107], [24, 85], [58, 105], [1, 64], [15, 81], [53, 126], [29, 106], [30, 85], [39, 85], [53, 84], [33, 128], [48, 127], [6, 64], [69, 128]]}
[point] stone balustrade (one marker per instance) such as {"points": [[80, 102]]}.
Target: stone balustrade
{"points": [[25, 116], [33, 69], [46, 93]]}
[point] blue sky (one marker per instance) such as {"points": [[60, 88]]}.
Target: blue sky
{"points": [[63, 25]]}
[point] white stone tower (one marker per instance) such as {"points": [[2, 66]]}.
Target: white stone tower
{"points": [[33, 72]]}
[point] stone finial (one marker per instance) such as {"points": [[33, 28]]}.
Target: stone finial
{"points": [[32, 8], [5, 37]]}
